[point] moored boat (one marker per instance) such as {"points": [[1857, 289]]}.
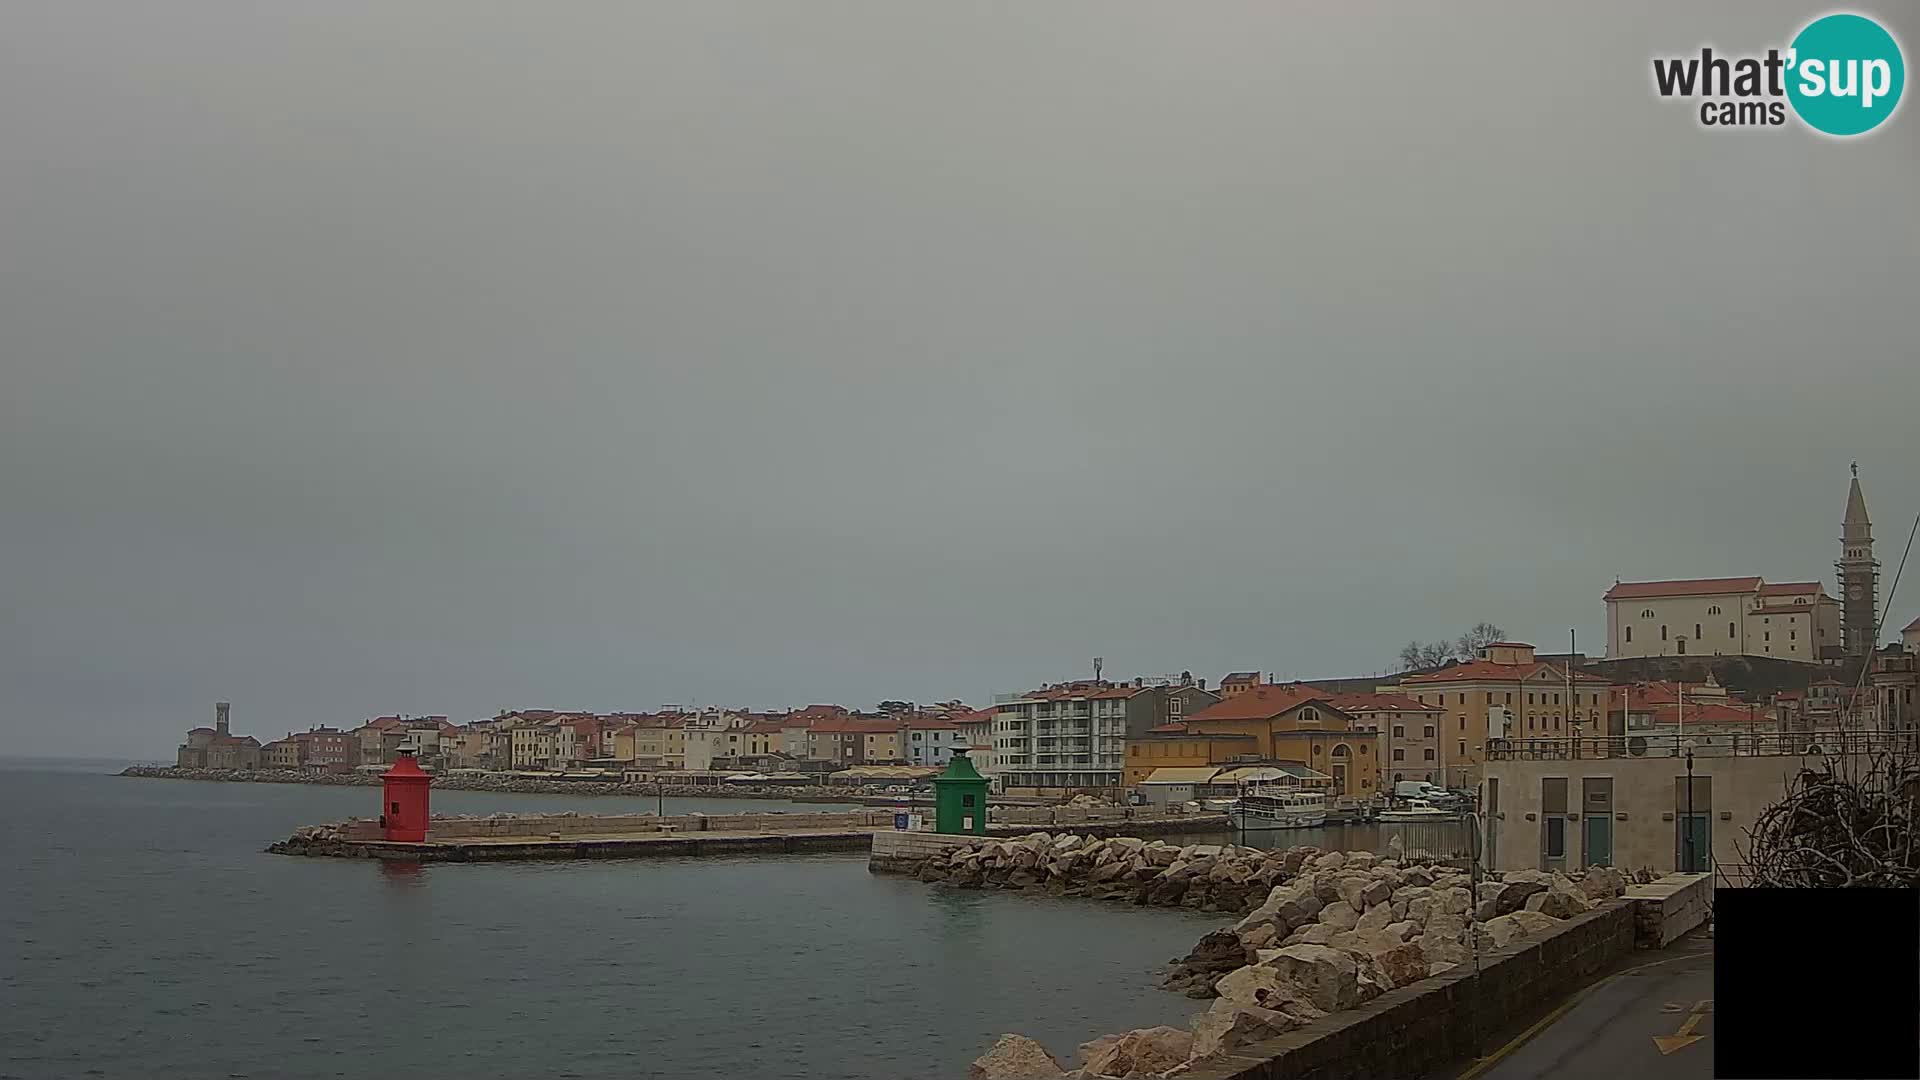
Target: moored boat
{"points": [[1416, 810], [1278, 808]]}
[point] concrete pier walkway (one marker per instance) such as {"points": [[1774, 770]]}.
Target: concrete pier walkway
{"points": [[503, 839]]}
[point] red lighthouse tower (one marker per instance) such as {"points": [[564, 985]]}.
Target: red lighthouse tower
{"points": [[404, 800]]}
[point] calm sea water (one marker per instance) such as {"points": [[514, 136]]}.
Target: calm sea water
{"points": [[146, 934]]}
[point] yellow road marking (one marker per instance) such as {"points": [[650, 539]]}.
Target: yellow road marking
{"points": [[1685, 1037], [1517, 1041]]}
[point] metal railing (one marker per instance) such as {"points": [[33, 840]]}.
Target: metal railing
{"points": [[1450, 841], [1707, 743]]}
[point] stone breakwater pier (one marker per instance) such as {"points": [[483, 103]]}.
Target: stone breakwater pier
{"points": [[1341, 964], [520, 837]]}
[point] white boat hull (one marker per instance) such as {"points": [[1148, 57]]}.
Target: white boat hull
{"points": [[1247, 821], [1401, 817]]}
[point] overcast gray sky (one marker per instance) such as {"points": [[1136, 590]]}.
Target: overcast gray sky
{"points": [[439, 357]]}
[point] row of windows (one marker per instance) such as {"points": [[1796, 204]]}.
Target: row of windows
{"points": [[1507, 696]]}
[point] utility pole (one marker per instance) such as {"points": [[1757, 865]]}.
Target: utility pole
{"points": [[1573, 722]]}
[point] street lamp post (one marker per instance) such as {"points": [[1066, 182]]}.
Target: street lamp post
{"points": [[1687, 831]]}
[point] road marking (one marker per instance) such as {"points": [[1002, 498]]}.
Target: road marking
{"points": [[1685, 1037], [1497, 1056]]}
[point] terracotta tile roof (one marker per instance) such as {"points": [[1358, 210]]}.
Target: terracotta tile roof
{"points": [[1488, 671], [855, 725], [928, 723], [1789, 588], [975, 717], [766, 727], [1639, 590], [1261, 703], [1240, 676], [1707, 714], [1358, 703]]}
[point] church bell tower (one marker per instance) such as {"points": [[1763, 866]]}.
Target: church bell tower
{"points": [[1859, 574]]}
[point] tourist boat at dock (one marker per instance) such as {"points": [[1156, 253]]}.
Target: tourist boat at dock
{"points": [[1416, 810], [1278, 808]]}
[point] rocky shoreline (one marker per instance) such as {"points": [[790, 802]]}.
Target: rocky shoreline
{"points": [[511, 786], [1319, 933]]}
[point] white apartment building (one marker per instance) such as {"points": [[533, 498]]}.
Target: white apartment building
{"points": [[1741, 616], [1066, 737]]}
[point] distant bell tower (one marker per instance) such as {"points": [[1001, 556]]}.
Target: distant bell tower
{"points": [[1859, 574], [220, 710]]}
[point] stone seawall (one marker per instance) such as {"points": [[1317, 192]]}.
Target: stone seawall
{"points": [[582, 847], [1324, 937], [1441, 1021]]}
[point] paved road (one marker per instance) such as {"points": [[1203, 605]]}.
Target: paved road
{"points": [[1610, 1031]]}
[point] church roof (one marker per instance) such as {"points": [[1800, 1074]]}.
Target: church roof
{"points": [[1637, 590], [1856, 504]]}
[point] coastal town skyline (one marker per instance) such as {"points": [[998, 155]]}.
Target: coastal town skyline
{"points": [[1600, 645]]}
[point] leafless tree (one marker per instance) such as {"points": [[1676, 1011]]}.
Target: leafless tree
{"points": [[1478, 636], [1847, 824]]}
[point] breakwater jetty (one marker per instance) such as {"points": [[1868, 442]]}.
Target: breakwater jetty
{"points": [[520, 837], [1341, 964]]}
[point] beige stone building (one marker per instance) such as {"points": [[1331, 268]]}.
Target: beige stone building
{"points": [[1406, 735], [1504, 694], [1547, 810], [1742, 616]]}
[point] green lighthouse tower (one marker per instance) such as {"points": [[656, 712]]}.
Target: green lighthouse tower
{"points": [[960, 798]]}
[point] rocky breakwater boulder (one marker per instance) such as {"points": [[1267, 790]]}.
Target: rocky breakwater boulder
{"points": [[1206, 877], [1338, 929], [312, 840]]}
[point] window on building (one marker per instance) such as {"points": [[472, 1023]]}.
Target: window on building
{"points": [[1430, 731], [1729, 630], [1696, 631], [1463, 748], [1647, 614], [1463, 699], [1429, 753], [1363, 749], [1399, 754], [1629, 633], [1509, 700], [1463, 723], [1714, 610], [1663, 631], [1399, 731], [1556, 837], [1556, 699], [1793, 635], [1768, 636]]}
